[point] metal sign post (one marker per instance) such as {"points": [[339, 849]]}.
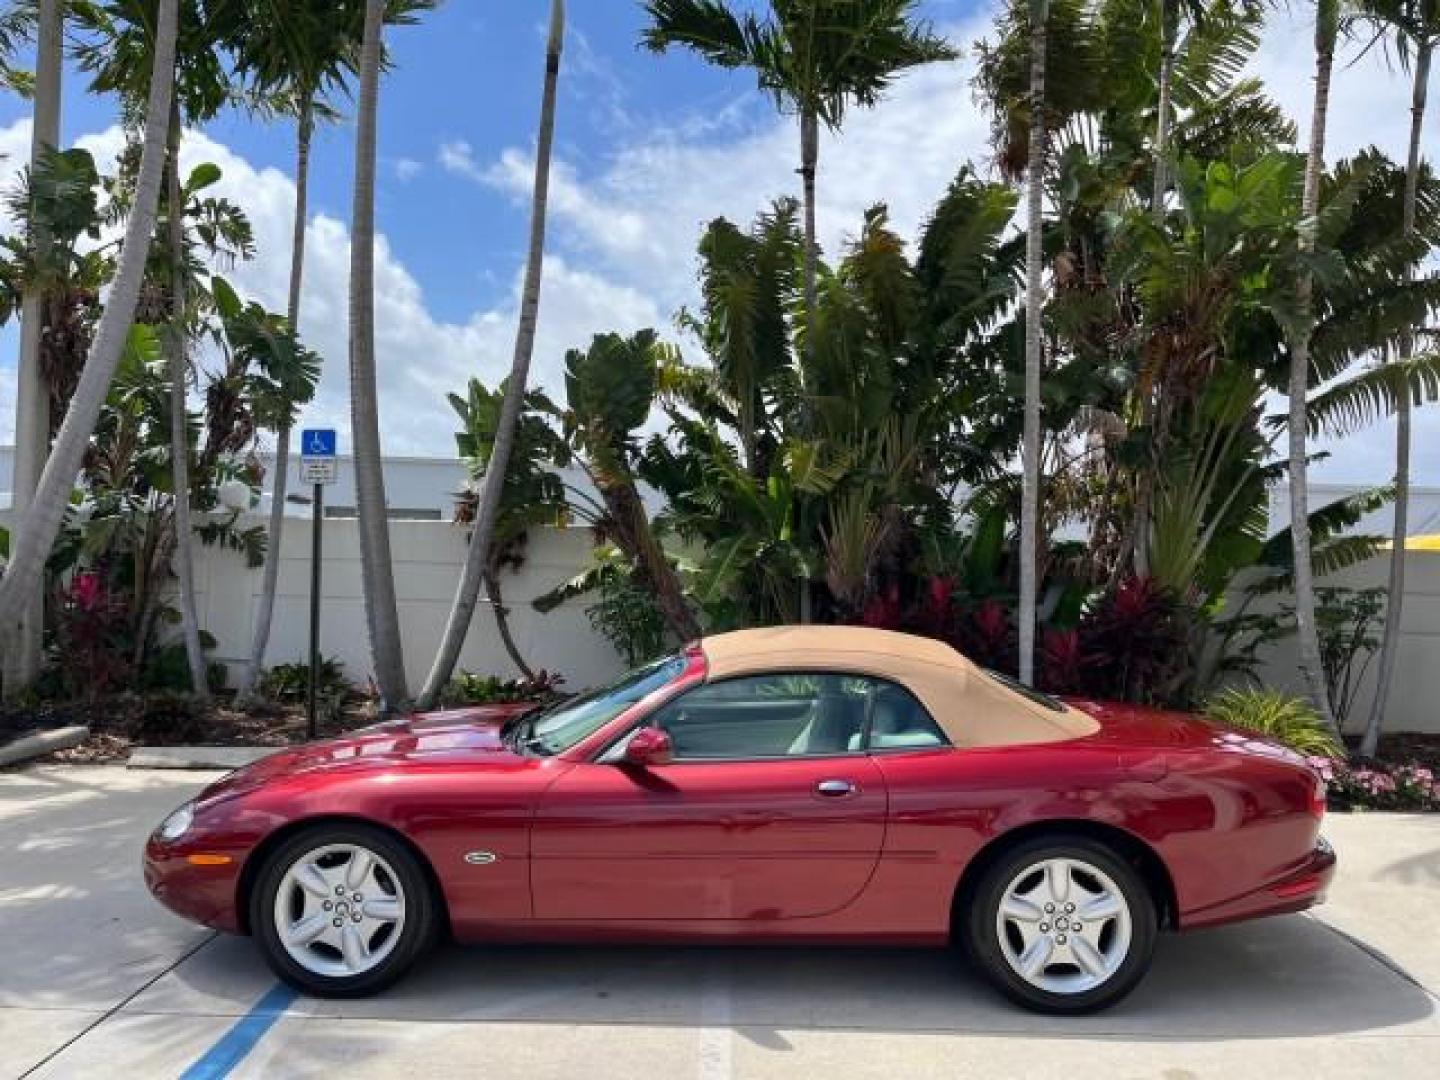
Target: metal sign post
{"points": [[317, 468]]}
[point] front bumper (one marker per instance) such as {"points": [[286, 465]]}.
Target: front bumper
{"points": [[1302, 886], [202, 893]]}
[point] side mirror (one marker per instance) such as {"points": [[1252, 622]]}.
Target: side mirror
{"points": [[649, 747]]}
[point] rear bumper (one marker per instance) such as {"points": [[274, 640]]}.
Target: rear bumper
{"points": [[1299, 888]]}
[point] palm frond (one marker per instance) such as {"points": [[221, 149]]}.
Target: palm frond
{"points": [[1363, 399]]}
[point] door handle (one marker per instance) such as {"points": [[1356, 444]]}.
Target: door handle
{"points": [[835, 789]]}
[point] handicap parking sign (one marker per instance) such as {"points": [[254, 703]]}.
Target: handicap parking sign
{"points": [[317, 442]]}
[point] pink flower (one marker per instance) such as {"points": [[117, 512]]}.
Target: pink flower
{"points": [[1322, 765]]}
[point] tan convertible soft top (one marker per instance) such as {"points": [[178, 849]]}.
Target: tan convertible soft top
{"points": [[971, 707]]}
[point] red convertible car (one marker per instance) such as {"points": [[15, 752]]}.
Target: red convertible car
{"points": [[798, 784]]}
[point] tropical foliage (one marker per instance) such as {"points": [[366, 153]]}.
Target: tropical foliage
{"points": [[1277, 716], [1046, 427]]}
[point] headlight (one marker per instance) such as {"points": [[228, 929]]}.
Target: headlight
{"points": [[177, 824]]}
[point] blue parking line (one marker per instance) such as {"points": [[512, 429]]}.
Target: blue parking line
{"points": [[220, 1060]]}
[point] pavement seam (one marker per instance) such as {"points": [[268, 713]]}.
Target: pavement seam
{"points": [[1100, 1034], [108, 1013]]}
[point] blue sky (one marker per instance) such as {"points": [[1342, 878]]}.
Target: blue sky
{"points": [[647, 150]]}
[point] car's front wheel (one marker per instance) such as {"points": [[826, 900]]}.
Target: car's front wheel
{"points": [[342, 910], [1062, 925]]}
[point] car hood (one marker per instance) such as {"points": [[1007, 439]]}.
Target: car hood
{"points": [[470, 734]]}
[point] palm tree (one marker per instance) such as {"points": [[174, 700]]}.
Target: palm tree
{"points": [[1034, 299], [814, 57], [1415, 26], [118, 56], [1164, 118], [35, 531], [477, 559], [294, 55], [381, 614], [1327, 22], [534, 495], [177, 362], [16, 28], [32, 404]]}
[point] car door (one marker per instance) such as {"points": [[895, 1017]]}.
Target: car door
{"points": [[770, 810]]}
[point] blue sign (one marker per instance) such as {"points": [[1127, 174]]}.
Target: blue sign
{"points": [[317, 442]]}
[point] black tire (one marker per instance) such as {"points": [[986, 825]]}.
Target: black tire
{"points": [[981, 936], [418, 930]]}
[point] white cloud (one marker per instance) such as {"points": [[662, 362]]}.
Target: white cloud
{"points": [[406, 169], [641, 215], [458, 157], [623, 233], [420, 358]]}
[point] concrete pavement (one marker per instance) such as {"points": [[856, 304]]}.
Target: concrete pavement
{"points": [[99, 980]]}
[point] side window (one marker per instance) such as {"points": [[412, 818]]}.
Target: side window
{"points": [[804, 714], [899, 722]]}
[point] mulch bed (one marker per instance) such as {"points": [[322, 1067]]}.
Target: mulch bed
{"points": [[117, 724]]}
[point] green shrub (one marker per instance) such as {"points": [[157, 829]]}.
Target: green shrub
{"points": [[1287, 720], [291, 682], [167, 670], [468, 688], [288, 684]]}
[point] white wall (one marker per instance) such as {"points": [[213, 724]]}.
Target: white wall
{"points": [[427, 560], [428, 556], [1414, 703]]}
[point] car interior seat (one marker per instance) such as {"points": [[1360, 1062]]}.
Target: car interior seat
{"points": [[897, 720]]}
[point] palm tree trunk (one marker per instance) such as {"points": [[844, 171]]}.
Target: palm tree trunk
{"points": [[381, 614], [1030, 450], [1169, 29], [1310, 665], [462, 611], [1390, 642], [32, 400], [809, 159], [35, 532], [502, 623], [178, 364], [635, 536], [270, 581]]}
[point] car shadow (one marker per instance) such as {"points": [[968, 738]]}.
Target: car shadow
{"points": [[1290, 976], [1421, 869]]}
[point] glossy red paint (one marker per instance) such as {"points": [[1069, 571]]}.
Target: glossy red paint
{"points": [[859, 846]]}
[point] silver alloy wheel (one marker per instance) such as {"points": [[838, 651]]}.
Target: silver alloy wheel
{"points": [[1064, 925], [339, 910]]}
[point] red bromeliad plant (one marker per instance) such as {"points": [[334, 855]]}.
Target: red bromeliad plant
{"points": [[986, 634], [884, 611], [92, 636], [1062, 661], [1133, 643]]}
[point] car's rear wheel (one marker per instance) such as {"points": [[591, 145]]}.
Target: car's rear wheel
{"points": [[1062, 925], [342, 910]]}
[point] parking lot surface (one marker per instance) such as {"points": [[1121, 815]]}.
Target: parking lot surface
{"points": [[98, 980]]}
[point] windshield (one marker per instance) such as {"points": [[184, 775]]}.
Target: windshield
{"points": [[563, 725]]}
